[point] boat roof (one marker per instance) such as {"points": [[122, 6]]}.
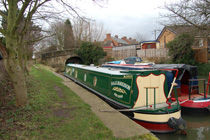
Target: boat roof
{"points": [[106, 70], [192, 69]]}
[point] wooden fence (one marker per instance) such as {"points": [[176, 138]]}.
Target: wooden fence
{"points": [[127, 51], [124, 51], [152, 53]]}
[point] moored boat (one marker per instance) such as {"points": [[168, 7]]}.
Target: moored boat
{"points": [[192, 101], [141, 95]]}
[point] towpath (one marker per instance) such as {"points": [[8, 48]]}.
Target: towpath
{"points": [[121, 126]]}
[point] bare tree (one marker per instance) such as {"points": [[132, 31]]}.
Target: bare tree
{"points": [[141, 37], [57, 38], [14, 58], [194, 13], [87, 30]]}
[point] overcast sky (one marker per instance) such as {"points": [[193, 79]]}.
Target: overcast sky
{"points": [[125, 17]]}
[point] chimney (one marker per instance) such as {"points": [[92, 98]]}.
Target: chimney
{"points": [[116, 36], [130, 38], [108, 36], [124, 38]]}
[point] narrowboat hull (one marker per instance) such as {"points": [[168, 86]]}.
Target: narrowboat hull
{"points": [[140, 95], [191, 106], [196, 107]]}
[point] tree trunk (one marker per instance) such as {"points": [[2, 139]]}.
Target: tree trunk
{"points": [[18, 77], [15, 69]]}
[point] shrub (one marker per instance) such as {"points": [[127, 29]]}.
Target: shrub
{"points": [[90, 53], [180, 49]]}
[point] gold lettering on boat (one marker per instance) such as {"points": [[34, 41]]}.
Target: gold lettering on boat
{"points": [[119, 90], [122, 84], [118, 96]]}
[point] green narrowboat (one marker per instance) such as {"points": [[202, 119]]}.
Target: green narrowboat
{"points": [[141, 95]]}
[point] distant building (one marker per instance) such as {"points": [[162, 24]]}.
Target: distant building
{"points": [[110, 42], [201, 37], [151, 44]]}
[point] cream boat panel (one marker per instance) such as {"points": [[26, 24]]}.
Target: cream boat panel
{"points": [[150, 81], [157, 118]]}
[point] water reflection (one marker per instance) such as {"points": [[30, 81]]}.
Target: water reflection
{"points": [[197, 129]]}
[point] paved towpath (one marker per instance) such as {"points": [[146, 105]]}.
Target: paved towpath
{"points": [[119, 124]]}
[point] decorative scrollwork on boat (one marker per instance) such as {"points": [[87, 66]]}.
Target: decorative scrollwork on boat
{"points": [[94, 81], [75, 74], [85, 77]]}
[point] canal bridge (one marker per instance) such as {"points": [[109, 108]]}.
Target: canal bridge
{"points": [[60, 57]]}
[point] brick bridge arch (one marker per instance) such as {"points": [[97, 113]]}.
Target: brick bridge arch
{"points": [[60, 57]]}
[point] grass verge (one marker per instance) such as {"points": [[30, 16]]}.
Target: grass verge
{"points": [[53, 112]]}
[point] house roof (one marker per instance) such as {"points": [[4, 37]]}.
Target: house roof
{"points": [[133, 41], [121, 41], [180, 29]]}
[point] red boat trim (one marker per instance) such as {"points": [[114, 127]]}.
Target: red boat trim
{"points": [[193, 104], [162, 127]]}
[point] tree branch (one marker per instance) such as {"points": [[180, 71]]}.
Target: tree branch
{"points": [[30, 14], [3, 15], [20, 15], [3, 31]]}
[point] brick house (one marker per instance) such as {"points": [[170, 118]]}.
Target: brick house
{"points": [[110, 42], [201, 45]]}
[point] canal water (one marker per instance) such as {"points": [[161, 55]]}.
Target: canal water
{"points": [[198, 127]]}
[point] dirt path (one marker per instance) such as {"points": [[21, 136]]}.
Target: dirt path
{"points": [[121, 126]]}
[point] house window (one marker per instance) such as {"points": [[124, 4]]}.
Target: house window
{"points": [[198, 42]]}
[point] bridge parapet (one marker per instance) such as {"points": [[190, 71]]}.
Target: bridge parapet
{"points": [[53, 54]]}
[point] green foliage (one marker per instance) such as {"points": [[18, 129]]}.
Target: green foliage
{"points": [[180, 49], [69, 41], [203, 69], [90, 53]]}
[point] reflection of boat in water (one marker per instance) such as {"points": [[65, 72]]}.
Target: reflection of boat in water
{"points": [[191, 100], [141, 95]]}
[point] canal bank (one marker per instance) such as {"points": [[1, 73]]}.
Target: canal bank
{"points": [[121, 126]]}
